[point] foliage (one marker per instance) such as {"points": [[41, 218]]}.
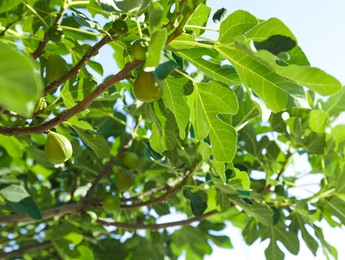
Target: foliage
{"points": [[235, 114]]}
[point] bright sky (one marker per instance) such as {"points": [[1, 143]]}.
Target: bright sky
{"points": [[319, 28]]}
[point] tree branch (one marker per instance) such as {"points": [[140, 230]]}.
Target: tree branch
{"points": [[45, 40], [46, 214], [31, 248], [81, 106], [107, 168], [93, 51], [156, 226], [170, 191]]}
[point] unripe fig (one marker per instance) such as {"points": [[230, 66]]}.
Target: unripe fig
{"points": [[147, 88], [139, 48], [123, 182], [58, 148], [120, 27], [55, 33], [130, 160], [111, 204]]}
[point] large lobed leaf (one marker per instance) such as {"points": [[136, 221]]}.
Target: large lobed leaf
{"points": [[207, 102]]}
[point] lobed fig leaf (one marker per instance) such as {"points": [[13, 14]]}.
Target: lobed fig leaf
{"points": [[58, 148]]}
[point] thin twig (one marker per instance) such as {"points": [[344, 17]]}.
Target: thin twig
{"points": [[55, 84], [46, 214], [169, 191], [156, 226], [81, 106], [45, 40]]}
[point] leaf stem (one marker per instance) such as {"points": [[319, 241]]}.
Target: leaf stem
{"points": [[35, 13], [138, 27]]}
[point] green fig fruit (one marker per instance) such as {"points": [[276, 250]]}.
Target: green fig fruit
{"points": [[139, 48], [130, 160], [111, 204], [120, 27], [57, 148], [147, 88], [55, 33], [123, 182]]}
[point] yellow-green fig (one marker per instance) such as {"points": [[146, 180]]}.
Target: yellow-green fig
{"points": [[147, 88], [130, 160], [139, 48], [111, 204], [123, 182], [57, 148]]}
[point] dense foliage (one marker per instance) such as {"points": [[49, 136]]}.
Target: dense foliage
{"points": [[204, 126]]}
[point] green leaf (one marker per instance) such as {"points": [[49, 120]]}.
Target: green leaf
{"points": [[247, 110], [164, 128], [277, 92], [95, 142], [298, 223], [266, 29], [198, 201], [199, 18], [337, 206], [155, 49], [74, 238], [275, 44], [250, 232], [222, 73], [173, 97], [12, 146], [8, 5], [335, 104], [235, 24], [276, 233], [313, 78], [318, 120], [221, 241], [240, 180], [262, 213], [19, 200], [20, 84], [327, 248], [274, 252], [82, 252], [155, 13], [207, 102]]}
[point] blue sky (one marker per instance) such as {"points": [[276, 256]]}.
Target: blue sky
{"points": [[319, 27]]}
